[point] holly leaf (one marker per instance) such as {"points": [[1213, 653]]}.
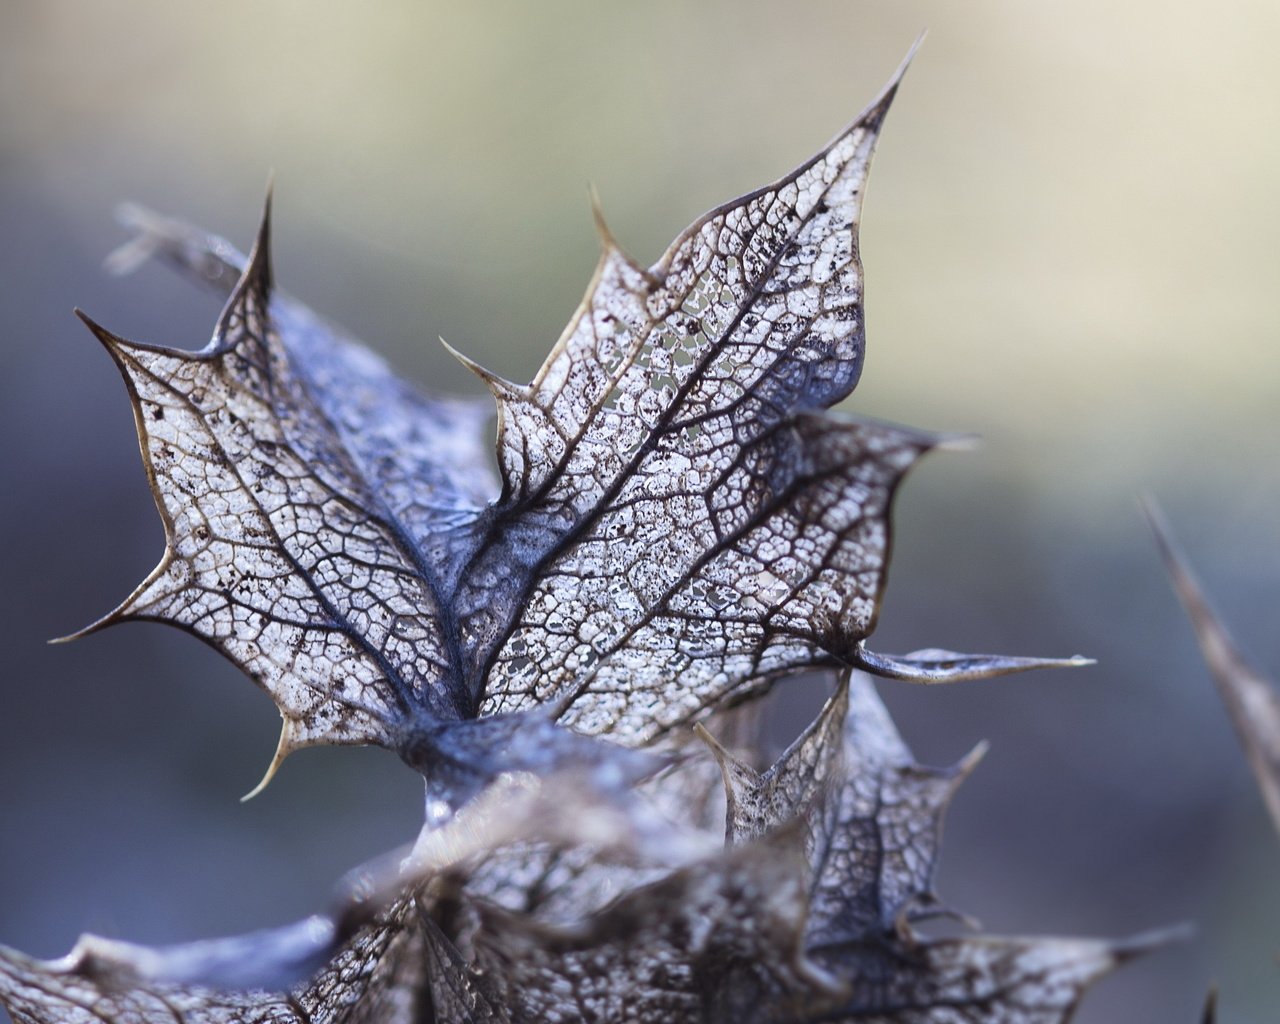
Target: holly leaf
{"points": [[661, 951], [873, 815], [878, 834], [872, 818], [980, 980], [676, 521], [384, 942], [804, 919], [378, 976]]}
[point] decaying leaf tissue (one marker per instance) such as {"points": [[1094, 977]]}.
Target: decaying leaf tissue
{"points": [[677, 522]]}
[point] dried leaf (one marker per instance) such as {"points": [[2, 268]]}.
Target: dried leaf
{"points": [[688, 947], [759, 802], [980, 980], [1251, 699], [877, 836], [677, 520], [378, 976], [873, 819], [874, 816]]}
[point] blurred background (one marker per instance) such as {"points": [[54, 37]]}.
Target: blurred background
{"points": [[1070, 249]]}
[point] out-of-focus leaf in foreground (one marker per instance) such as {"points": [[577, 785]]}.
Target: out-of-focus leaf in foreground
{"points": [[806, 914]]}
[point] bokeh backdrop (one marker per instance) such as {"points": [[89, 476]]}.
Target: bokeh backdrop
{"points": [[1070, 249]]}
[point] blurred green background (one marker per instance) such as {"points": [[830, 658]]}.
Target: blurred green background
{"points": [[1070, 248]]}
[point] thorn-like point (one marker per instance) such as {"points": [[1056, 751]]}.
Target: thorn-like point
{"points": [[877, 108], [259, 266], [937, 666], [1185, 583], [284, 747], [714, 745], [78, 634], [1147, 942], [119, 614], [500, 386], [901, 71], [1173, 558], [1209, 1014], [610, 247], [607, 241], [110, 340], [970, 761], [959, 442]]}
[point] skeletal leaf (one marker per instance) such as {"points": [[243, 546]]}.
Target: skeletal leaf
{"points": [[303, 489], [873, 815], [873, 818], [457, 991], [676, 522], [703, 943], [377, 976], [387, 952], [1251, 699], [877, 835], [758, 802], [978, 980], [713, 935]]}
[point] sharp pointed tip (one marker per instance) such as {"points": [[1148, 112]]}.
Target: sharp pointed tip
{"points": [[110, 619], [1075, 661], [284, 747], [262, 784], [905, 64], [880, 105], [1177, 566], [259, 265], [607, 240], [913, 50], [971, 760], [1154, 515], [89, 321], [713, 744], [56, 641], [1149, 941], [500, 386], [1173, 558], [1209, 1014], [110, 340], [958, 442]]}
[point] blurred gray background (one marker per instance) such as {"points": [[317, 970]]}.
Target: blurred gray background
{"points": [[1070, 248]]}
